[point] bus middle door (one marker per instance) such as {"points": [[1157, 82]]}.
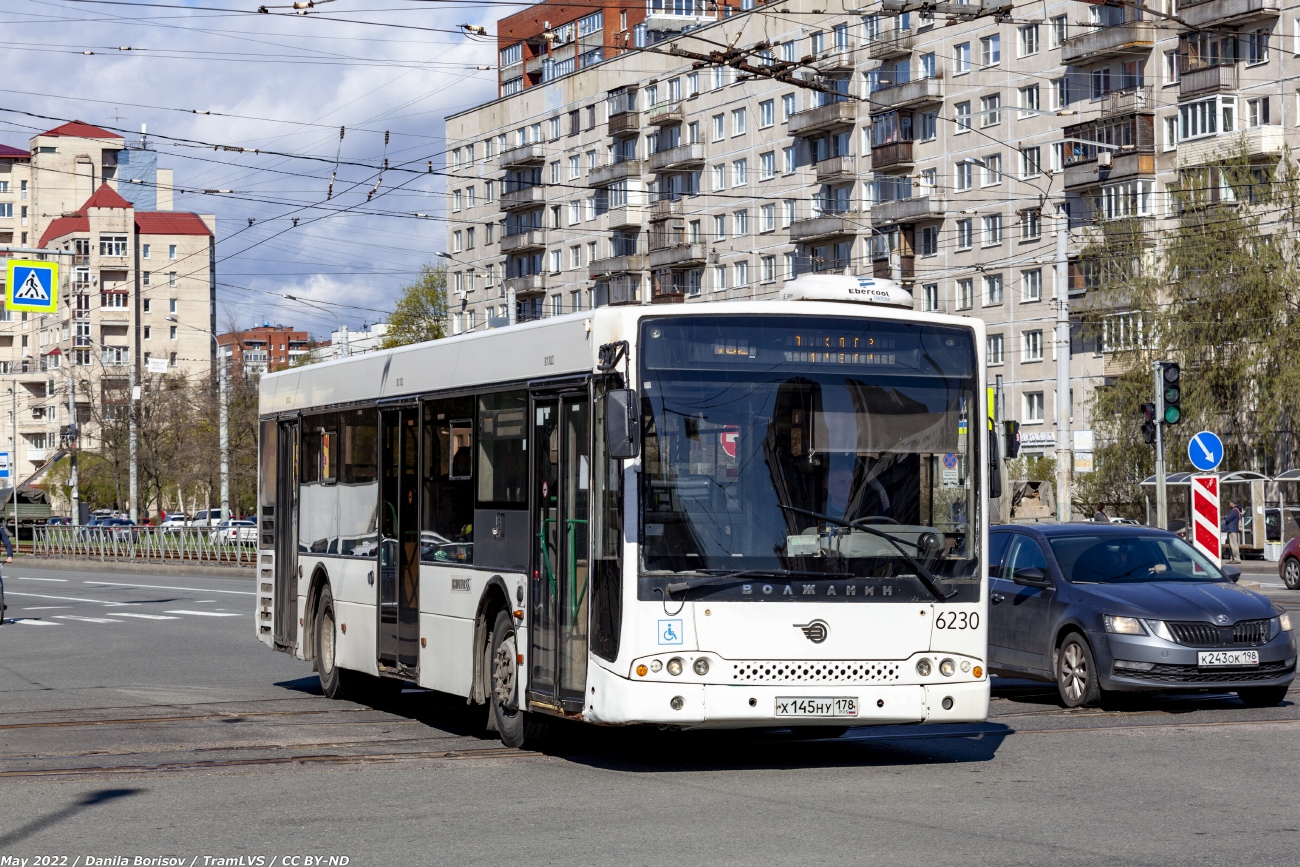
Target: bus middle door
{"points": [[558, 632], [399, 542]]}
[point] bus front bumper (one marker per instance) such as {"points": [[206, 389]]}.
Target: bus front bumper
{"points": [[614, 700]]}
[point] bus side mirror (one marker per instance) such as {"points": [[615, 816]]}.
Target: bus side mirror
{"points": [[622, 423], [995, 467]]}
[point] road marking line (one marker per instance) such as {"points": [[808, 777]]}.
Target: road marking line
{"points": [[45, 607], [165, 587], [146, 616], [31, 621], [205, 613], [60, 598], [25, 578], [86, 619]]}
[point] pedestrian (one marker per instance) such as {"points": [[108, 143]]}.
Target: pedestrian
{"points": [[1100, 515], [9, 558], [1232, 527]]}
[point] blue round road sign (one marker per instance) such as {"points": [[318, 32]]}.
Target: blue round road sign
{"points": [[1205, 450]]}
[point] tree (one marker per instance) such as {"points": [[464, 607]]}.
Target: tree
{"points": [[421, 312]]}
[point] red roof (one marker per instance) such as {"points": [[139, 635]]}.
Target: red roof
{"points": [[80, 129], [106, 197], [6, 151], [65, 226], [170, 223]]}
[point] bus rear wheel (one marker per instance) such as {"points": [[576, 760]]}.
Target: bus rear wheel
{"points": [[335, 682], [518, 728]]}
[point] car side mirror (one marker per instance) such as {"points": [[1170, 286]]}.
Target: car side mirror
{"points": [[622, 423], [1031, 577], [1232, 573]]}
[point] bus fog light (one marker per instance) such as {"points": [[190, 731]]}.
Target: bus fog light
{"points": [[965, 665], [642, 671], [978, 672], [701, 667], [947, 668], [677, 702], [923, 668], [675, 666], [656, 665], [947, 702]]}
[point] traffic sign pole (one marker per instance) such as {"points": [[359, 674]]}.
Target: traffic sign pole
{"points": [[1204, 530], [1162, 501]]}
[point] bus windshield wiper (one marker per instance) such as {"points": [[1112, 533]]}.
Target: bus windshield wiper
{"points": [[926, 577], [726, 577]]}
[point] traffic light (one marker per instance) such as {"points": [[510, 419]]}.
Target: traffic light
{"points": [[1012, 430], [1173, 393], [1149, 423]]}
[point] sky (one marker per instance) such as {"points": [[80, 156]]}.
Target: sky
{"points": [[278, 82]]}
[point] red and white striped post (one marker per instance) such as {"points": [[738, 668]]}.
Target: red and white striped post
{"points": [[1205, 517]]}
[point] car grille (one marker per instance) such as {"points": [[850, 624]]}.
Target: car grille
{"points": [[1162, 673], [813, 671], [1197, 634]]}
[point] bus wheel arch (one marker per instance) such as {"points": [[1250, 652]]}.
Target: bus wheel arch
{"points": [[320, 579], [495, 598]]}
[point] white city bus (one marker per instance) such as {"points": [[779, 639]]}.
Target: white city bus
{"points": [[725, 515]]}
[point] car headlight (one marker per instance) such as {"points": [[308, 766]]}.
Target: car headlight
{"points": [[1159, 629], [1284, 621], [1124, 625]]}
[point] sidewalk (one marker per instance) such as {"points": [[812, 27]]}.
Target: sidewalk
{"points": [[138, 567]]}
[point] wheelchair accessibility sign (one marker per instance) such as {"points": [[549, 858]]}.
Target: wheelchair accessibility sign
{"points": [[670, 632], [32, 287]]}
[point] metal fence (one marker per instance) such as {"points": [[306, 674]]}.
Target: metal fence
{"points": [[175, 545]]}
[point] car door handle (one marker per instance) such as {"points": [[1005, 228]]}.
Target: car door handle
{"points": [[997, 597]]}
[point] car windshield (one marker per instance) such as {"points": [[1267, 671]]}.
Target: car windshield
{"points": [[1137, 558], [751, 422]]}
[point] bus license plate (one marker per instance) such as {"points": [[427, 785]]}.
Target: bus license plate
{"points": [[1214, 658], [826, 707]]}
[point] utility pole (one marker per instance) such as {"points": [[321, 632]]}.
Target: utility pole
{"points": [[999, 419], [13, 454], [72, 445], [1162, 501], [1064, 447], [225, 441], [134, 445]]}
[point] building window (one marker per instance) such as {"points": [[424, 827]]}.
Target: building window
{"points": [[931, 294], [720, 227], [992, 230], [148, 332], [788, 159], [995, 349], [961, 58], [456, 241], [928, 241], [767, 269], [1028, 40], [171, 251], [1257, 112], [991, 50], [964, 233], [991, 110], [992, 290], [719, 127], [719, 178], [1031, 224], [965, 292], [766, 113], [1099, 80], [1029, 101], [767, 166], [991, 170], [1034, 404], [787, 213], [738, 121], [171, 333], [962, 178], [144, 251], [1257, 46], [1129, 199], [1056, 31], [171, 279], [767, 218], [961, 113], [1031, 162], [145, 302], [1121, 331], [1031, 285], [113, 245], [719, 278], [787, 106], [739, 172], [171, 305], [1033, 348]]}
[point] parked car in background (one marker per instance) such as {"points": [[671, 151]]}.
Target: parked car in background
{"points": [[1099, 608], [115, 528], [1288, 566], [236, 532], [57, 521], [207, 518], [173, 523]]}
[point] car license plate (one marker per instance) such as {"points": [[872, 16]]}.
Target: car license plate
{"points": [[829, 707], [1216, 658]]}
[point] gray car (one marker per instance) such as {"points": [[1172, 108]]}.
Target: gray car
{"points": [[1099, 608]]}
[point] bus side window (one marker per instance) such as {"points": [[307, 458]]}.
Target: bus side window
{"points": [[447, 480], [606, 544], [358, 488], [501, 531], [318, 526]]}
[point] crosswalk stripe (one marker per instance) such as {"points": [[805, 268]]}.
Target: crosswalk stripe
{"points": [[206, 613], [144, 616], [59, 580], [167, 587], [86, 619], [25, 621]]}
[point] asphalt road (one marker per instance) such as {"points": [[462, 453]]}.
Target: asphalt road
{"points": [[139, 717]]}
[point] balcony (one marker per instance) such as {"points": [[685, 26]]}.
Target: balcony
{"points": [[616, 265], [1206, 13], [517, 242], [836, 169], [895, 43], [530, 284], [1260, 141], [839, 59], [1122, 166], [1133, 100], [923, 91], [624, 122], [679, 256], [896, 267], [626, 217], [1207, 80], [826, 117], [677, 158], [603, 176], [915, 209], [528, 197], [666, 21], [667, 208], [1129, 38], [664, 113], [896, 155], [524, 155], [514, 70], [828, 226]]}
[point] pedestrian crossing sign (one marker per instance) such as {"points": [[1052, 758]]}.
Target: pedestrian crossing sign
{"points": [[32, 287]]}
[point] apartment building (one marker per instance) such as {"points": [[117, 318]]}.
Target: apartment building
{"points": [[940, 148], [137, 283], [266, 348]]}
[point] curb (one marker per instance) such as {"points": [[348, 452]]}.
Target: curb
{"points": [[194, 570]]}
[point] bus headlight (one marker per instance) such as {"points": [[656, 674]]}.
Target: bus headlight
{"points": [[675, 666], [701, 666], [923, 667], [947, 668], [656, 666]]}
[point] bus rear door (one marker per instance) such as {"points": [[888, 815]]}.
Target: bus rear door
{"points": [[399, 542]]}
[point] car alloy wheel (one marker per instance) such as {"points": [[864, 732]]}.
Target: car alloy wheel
{"points": [[1291, 573], [1074, 672]]}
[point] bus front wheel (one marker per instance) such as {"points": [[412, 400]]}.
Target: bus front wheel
{"points": [[518, 728], [335, 682]]}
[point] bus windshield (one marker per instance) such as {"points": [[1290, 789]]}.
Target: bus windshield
{"points": [[753, 426]]}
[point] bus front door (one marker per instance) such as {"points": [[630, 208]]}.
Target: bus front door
{"points": [[558, 630], [284, 522], [399, 543]]}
